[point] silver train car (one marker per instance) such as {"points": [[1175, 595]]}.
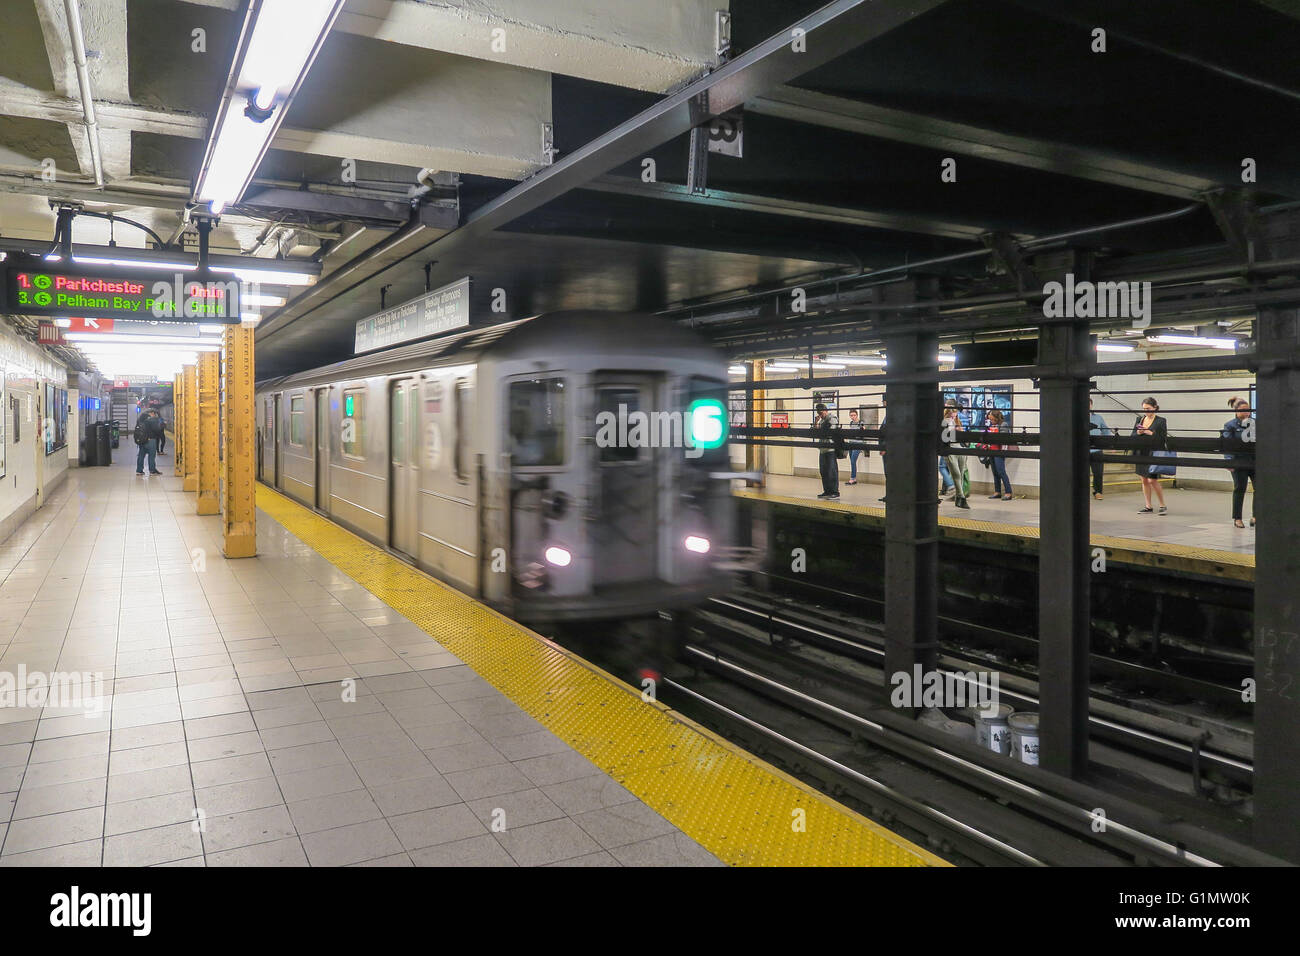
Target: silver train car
{"points": [[498, 460]]}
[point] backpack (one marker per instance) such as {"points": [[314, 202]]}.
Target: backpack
{"points": [[141, 431]]}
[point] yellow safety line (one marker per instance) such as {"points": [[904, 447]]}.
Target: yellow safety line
{"points": [[1136, 546], [739, 808]]}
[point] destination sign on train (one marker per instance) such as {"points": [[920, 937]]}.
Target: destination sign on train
{"points": [[40, 288]]}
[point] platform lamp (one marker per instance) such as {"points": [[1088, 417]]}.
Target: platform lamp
{"points": [[278, 41]]}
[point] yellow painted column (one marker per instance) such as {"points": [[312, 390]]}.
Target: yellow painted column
{"points": [[209, 448], [190, 443], [178, 421], [237, 430]]}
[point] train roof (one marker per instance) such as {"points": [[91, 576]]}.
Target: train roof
{"points": [[548, 334]]}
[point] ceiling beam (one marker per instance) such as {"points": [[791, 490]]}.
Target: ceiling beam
{"points": [[360, 143], [900, 126], [641, 46], [776, 206]]}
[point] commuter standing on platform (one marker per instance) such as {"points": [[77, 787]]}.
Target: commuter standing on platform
{"points": [[1098, 428], [829, 467], [882, 438], [1240, 451], [1001, 481], [1155, 430], [147, 429], [855, 432], [956, 462]]}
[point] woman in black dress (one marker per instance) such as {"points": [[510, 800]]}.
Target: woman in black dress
{"points": [[1155, 430]]}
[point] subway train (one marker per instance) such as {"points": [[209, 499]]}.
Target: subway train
{"points": [[500, 460]]}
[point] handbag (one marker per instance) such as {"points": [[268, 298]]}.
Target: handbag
{"points": [[1157, 470]]}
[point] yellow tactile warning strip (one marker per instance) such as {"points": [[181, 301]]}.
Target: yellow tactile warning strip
{"points": [[739, 808], [1175, 557]]}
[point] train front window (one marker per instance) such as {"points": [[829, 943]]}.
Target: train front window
{"points": [[713, 391], [620, 402], [536, 422]]}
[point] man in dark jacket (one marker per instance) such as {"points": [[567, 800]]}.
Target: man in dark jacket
{"points": [[1239, 448], [148, 429]]}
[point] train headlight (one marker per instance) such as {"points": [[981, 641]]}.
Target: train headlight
{"points": [[707, 421], [697, 544], [558, 556]]}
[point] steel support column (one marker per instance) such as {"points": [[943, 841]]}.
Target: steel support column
{"points": [[190, 443], [208, 447], [1064, 559], [912, 512], [239, 505], [756, 417], [178, 422], [1277, 585]]}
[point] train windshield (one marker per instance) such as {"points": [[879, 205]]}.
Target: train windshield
{"points": [[537, 416], [711, 390]]}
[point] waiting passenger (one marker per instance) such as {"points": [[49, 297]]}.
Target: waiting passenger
{"points": [[1155, 430], [827, 462], [957, 462], [856, 433], [1001, 481], [147, 429], [882, 436], [1098, 428], [1239, 450]]}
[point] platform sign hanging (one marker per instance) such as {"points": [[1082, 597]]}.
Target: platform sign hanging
{"points": [[36, 287], [432, 313]]}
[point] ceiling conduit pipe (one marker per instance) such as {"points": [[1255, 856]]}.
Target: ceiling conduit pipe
{"points": [[73, 10]]}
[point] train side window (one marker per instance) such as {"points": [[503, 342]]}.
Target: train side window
{"points": [[610, 400], [354, 423], [461, 455], [397, 420], [297, 421], [537, 415]]}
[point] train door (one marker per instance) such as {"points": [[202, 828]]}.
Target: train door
{"points": [[625, 536], [404, 474], [323, 449], [277, 430]]}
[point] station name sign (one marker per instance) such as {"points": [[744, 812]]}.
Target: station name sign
{"points": [[431, 313], [40, 288]]}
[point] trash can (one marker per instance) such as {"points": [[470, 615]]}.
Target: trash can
{"points": [[104, 443]]}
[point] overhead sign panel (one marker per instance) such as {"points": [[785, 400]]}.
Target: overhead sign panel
{"points": [[432, 313], [50, 288]]}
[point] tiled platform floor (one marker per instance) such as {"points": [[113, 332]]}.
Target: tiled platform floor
{"points": [[224, 737], [1197, 519]]}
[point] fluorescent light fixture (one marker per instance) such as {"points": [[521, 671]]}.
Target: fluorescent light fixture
{"points": [[278, 41], [736, 370], [252, 275], [63, 323], [131, 338], [1205, 342], [211, 329], [257, 298], [1112, 347], [856, 360]]}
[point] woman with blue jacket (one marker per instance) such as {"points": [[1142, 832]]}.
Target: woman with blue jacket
{"points": [[1238, 438]]}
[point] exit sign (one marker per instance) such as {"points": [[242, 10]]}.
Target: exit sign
{"points": [[36, 287]]}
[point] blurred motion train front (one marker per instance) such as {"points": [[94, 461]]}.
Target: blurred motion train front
{"points": [[480, 458]]}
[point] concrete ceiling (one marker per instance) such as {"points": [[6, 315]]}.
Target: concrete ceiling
{"points": [[400, 86]]}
